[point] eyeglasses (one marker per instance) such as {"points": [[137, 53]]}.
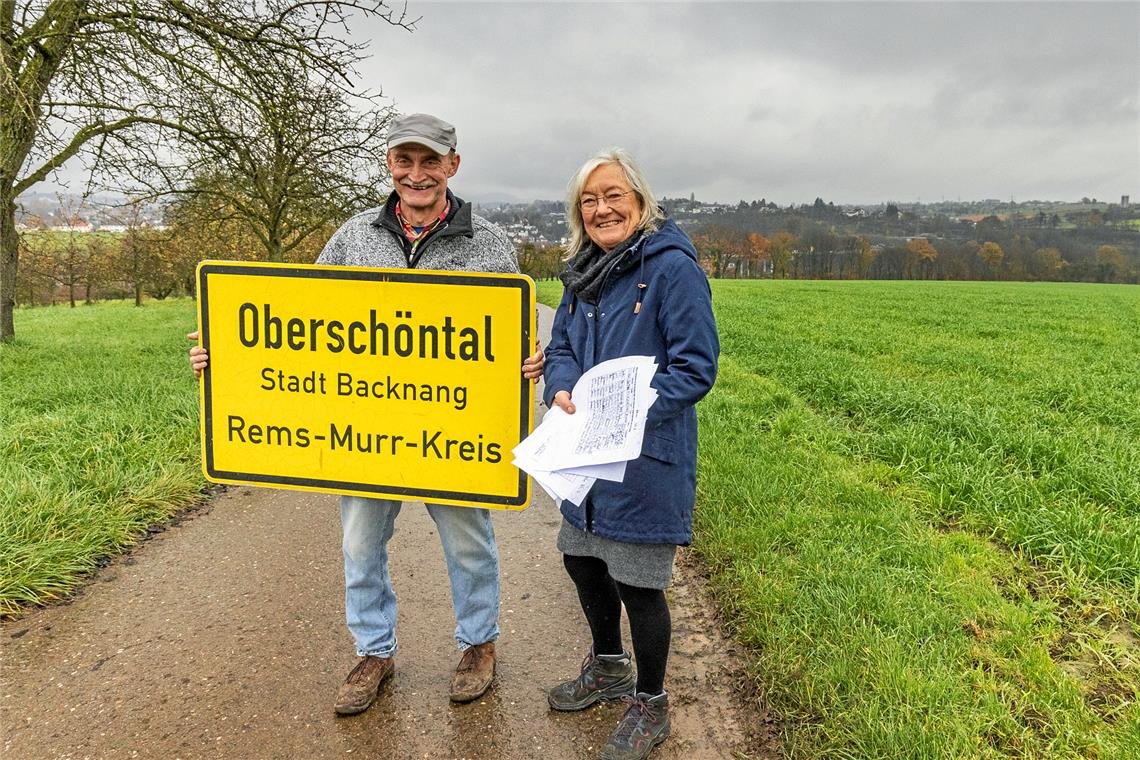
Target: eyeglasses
{"points": [[612, 199]]}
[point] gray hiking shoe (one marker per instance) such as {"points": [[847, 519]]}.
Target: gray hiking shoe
{"points": [[603, 676], [644, 726]]}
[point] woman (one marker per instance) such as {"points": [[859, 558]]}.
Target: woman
{"points": [[632, 288]]}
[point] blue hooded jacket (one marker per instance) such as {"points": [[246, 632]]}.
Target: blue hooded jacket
{"points": [[674, 323]]}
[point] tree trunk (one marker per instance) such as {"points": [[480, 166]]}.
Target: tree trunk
{"points": [[9, 256], [275, 247]]}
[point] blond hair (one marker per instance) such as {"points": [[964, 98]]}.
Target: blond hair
{"points": [[651, 214]]}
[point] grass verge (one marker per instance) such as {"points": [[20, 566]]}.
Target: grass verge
{"points": [[99, 439], [548, 292]]}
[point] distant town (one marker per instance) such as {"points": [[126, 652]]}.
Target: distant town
{"points": [[66, 212], [543, 222]]}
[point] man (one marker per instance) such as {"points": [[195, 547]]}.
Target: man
{"points": [[423, 225]]}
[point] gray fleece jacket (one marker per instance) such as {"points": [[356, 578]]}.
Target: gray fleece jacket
{"points": [[464, 242]]}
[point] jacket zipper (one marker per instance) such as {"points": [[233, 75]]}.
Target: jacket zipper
{"points": [[419, 252], [597, 338]]}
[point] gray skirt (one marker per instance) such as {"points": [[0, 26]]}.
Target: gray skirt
{"points": [[642, 565]]}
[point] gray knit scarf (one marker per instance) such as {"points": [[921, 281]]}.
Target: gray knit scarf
{"points": [[586, 273]]}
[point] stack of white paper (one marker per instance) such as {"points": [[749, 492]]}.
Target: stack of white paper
{"points": [[568, 452]]}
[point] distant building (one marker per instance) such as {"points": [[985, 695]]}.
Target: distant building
{"points": [[72, 225], [1124, 201]]}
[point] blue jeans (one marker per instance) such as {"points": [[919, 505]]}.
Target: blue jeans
{"points": [[472, 556]]}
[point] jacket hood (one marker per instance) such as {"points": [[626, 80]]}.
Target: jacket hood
{"points": [[668, 237]]}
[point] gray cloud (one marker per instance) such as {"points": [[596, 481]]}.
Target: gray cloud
{"points": [[857, 102]]}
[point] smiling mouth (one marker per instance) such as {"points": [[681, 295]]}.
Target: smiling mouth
{"points": [[416, 186], [610, 223]]}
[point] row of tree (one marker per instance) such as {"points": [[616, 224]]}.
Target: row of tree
{"points": [[820, 253], [143, 261], [763, 240], [728, 252]]}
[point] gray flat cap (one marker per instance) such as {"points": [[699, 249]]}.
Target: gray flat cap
{"points": [[424, 129]]}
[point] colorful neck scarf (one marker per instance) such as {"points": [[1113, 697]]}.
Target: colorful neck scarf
{"points": [[416, 235]]}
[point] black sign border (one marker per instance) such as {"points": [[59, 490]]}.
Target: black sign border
{"points": [[206, 269]]}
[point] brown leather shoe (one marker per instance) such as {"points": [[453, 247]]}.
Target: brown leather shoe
{"points": [[362, 683], [474, 674]]}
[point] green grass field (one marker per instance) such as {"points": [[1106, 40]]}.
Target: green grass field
{"points": [[919, 503]]}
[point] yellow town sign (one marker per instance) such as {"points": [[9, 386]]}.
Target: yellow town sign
{"points": [[400, 384]]}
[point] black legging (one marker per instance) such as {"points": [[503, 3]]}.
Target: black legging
{"points": [[649, 623]]}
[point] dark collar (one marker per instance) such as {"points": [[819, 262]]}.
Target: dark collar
{"points": [[458, 220]]}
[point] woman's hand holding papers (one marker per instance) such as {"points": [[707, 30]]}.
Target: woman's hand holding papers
{"points": [[563, 402]]}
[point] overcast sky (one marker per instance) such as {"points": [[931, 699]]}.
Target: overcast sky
{"points": [[854, 102]]}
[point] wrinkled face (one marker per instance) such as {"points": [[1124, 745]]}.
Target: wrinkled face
{"points": [[609, 222], [420, 176]]}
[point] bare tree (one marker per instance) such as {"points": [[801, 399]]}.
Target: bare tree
{"points": [[40, 279], [294, 157], [72, 258], [107, 78], [721, 249], [137, 257]]}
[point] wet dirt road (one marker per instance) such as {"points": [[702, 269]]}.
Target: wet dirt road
{"points": [[223, 637]]}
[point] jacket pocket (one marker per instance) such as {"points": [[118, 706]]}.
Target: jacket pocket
{"points": [[661, 448]]}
